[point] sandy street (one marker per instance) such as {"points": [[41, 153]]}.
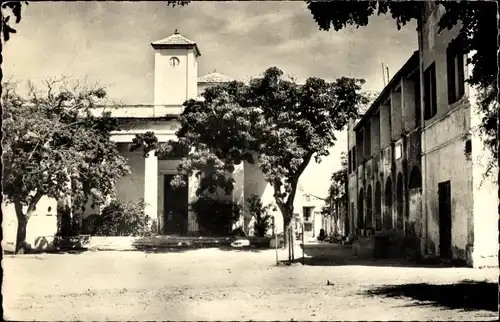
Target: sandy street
{"points": [[211, 284]]}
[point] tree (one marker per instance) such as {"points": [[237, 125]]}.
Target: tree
{"points": [[272, 122], [477, 34], [338, 181], [15, 11], [54, 146], [337, 192]]}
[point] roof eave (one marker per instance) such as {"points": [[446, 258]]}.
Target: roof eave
{"points": [[156, 45]]}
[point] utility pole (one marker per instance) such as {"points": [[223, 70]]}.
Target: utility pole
{"points": [[383, 73]]}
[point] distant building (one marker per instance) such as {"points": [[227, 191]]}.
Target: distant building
{"points": [[416, 162]]}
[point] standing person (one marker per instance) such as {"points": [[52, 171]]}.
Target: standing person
{"points": [[321, 234]]}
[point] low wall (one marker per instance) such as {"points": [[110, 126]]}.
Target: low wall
{"points": [[38, 244], [111, 243], [51, 243], [133, 243], [326, 250], [196, 242]]}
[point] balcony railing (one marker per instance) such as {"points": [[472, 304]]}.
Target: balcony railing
{"points": [[140, 111]]}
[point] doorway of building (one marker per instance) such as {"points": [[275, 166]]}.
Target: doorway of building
{"points": [[444, 190], [361, 208], [175, 205]]}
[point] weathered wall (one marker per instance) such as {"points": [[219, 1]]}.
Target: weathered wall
{"points": [[409, 103], [457, 170], [413, 150], [415, 223], [444, 159]]}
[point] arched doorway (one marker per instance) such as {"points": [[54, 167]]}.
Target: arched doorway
{"points": [[369, 211], [378, 206], [360, 223], [415, 180], [400, 202], [388, 204]]}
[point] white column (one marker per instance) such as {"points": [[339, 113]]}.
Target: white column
{"points": [[151, 185], [193, 183]]}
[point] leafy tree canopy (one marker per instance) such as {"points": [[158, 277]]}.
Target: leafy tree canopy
{"points": [[272, 122], [10, 9], [54, 146]]}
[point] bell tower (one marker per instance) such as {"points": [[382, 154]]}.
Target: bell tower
{"points": [[175, 70]]}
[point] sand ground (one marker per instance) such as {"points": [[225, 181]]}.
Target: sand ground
{"points": [[213, 284]]}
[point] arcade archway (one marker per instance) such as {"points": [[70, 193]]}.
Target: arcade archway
{"points": [[387, 222]]}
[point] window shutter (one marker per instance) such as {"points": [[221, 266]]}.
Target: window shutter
{"points": [[450, 75], [433, 89], [461, 76]]}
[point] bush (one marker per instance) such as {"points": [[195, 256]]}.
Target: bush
{"points": [[91, 224], [261, 215], [215, 217], [121, 218]]}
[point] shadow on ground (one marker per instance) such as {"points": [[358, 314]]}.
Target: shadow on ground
{"points": [[467, 295], [349, 260]]}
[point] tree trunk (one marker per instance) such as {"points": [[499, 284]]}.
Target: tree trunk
{"points": [[22, 223], [287, 232]]}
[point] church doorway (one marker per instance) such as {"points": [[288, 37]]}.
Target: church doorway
{"points": [[175, 205]]}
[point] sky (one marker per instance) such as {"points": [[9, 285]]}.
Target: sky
{"points": [[109, 43]]}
